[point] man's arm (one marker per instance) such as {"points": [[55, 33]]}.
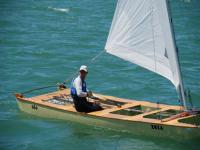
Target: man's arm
{"points": [[78, 86]]}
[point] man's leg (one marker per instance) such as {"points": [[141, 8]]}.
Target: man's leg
{"points": [[82, 105], [93, 107], [79, 106]]}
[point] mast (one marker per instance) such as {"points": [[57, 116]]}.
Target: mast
{"points": [[180, 89]]}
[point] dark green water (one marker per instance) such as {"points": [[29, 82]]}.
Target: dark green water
{"points": [[44, 42]]}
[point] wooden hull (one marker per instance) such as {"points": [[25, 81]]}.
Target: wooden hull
{"points": [[138, 128]]}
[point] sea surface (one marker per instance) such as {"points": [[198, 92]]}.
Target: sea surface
{"points": [[43, 42]]}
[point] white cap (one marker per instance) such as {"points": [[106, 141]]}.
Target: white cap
{"points": [[84, 68]]}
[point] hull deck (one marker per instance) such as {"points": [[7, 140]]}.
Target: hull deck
{"points": [[119, 113]]}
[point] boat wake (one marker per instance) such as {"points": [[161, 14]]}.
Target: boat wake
{"points": [[64, 10]]}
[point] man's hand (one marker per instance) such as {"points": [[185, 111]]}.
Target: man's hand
{"points": [[89, 93]]}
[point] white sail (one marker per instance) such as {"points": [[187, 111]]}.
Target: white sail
{"points": [[141, 33]]}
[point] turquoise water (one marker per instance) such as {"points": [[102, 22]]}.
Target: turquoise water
{"points": [[44, 42]]}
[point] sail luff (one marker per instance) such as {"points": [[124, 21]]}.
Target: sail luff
{"points": [[180, 89]]}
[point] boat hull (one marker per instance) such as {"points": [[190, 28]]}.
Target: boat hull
{"points": [[134, 127]]}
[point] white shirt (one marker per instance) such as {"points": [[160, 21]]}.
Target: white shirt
{"points": [[78, 86]]}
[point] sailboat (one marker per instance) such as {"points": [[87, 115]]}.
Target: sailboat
{"points": [[141, 33]]}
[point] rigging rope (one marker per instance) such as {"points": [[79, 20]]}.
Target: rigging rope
{"points": [[88, 63], [39, 88], [56, 85]]}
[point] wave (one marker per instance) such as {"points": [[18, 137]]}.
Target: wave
{"points": [[65, 10]]}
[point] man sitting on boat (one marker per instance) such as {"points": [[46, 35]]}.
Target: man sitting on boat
{"points": [[79, 93]]}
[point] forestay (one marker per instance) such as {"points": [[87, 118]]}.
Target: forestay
{"points": [[141, 33]]}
